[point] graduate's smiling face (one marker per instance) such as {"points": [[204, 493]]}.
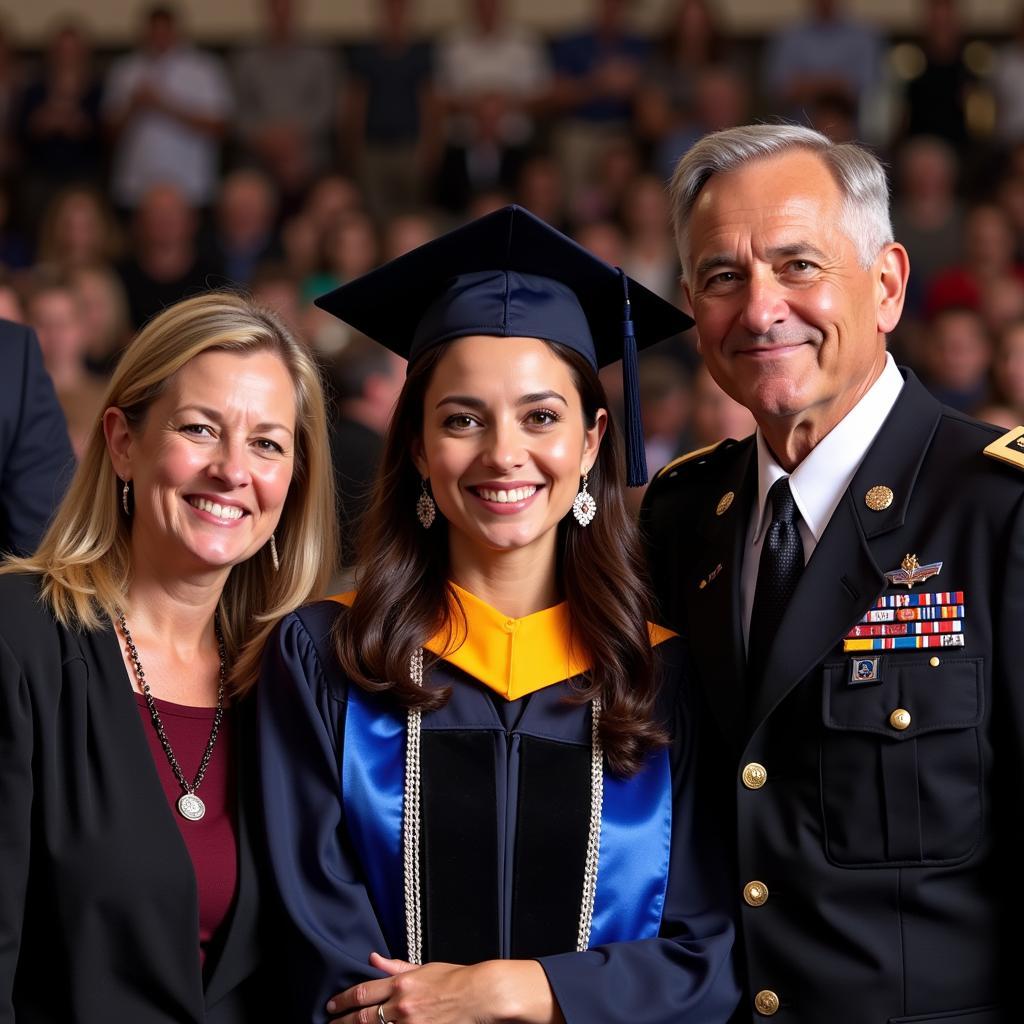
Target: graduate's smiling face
{"points": [[504, 443]]}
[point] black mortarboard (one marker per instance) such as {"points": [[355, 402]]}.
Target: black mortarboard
{"points": [[511, 275]]}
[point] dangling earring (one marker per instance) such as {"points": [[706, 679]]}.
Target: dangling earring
{"points": [[124, 499], [426, 510], [273, 554], [584, 508]]}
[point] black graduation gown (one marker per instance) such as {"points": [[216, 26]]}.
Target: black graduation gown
{"points": [[505, 816]]}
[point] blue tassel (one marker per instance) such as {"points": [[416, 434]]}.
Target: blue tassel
{"points": [[636, 457]]}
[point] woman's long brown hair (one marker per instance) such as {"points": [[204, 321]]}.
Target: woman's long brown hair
{"points": [[404, 597]]}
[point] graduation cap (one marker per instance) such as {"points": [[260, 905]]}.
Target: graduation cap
{"points": [[510, 275]]}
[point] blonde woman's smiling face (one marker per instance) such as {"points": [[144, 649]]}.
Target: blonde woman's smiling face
{"points": [[211, 463]]}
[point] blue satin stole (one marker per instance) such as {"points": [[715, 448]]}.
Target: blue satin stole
{"points": [[636, 829]]}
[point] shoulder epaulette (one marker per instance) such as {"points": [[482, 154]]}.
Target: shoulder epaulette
{"points": [[694, 455], [1008, 448]]}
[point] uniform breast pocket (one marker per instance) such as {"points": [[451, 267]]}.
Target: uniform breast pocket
{"points": [[900, 762]]}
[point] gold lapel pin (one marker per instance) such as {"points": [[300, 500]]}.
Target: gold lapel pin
{"points": [[724, 503], [878, 498]]}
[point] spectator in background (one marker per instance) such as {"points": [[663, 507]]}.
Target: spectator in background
{"points": [[650, 256], [957, 358], [721, 100], [691, 43], [35, 457], [53, 312], [926, 214], [79, 230], [937, 98], [1006, 401], [989, 253], [665, 396], [164, 265], [827, 53], [276, 288], [11, 82], [1001, 303], [598, 74], [286, 90], [715, 416], [11, 307], [1008, 86], [14, 250], [351, 248], [617, 164], [102, 307], [406, 232], [480, 158], [166, 106], [605, 240], [366, 379], [541, 190], [58, 123], [244, 233], [487, 58], [391, 129]]}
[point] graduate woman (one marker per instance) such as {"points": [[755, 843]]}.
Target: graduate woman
{"points": [[477, 769]]}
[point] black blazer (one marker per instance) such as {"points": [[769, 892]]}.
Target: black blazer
{"points": [[887, 855], [98, 907], [35, 454]]}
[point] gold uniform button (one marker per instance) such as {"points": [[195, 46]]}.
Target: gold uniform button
{"points": [[900, 719], [766, 1002], [754, 775], [934, 661], [755, 894]]}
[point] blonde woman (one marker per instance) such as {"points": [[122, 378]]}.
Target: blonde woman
{"points": [[200, 514]]}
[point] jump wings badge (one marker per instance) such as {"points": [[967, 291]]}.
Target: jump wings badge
{"points": [[912, 572]]}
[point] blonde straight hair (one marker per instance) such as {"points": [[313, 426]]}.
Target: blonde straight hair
{"points": [[84, 558]]}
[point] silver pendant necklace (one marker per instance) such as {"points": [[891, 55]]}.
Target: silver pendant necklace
{"points": [[190, 805], [411, 826]]}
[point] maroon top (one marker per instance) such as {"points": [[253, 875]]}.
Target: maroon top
{"points": [[212, 842]]}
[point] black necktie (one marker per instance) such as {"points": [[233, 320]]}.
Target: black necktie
{"points": [[778, 572]]}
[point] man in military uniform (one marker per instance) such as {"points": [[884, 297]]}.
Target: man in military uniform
{"points": [[851, 582]]}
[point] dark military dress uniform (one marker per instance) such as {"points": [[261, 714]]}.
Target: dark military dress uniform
{"points": [[871, 796]]}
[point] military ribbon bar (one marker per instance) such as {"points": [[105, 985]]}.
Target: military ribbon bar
{"points": [[941, 611], [923, 599], [899, 643]]}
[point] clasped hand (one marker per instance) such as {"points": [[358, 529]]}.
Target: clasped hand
{"points": [[492, 992]]}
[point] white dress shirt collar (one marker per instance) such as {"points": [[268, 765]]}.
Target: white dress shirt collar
{"points": [[819, 482]]}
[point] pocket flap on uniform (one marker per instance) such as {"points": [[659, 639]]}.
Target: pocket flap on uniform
{"points": [[984, 1015], [913, 697]]}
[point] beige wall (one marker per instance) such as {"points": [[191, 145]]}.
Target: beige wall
{"points": [[226, 21]]}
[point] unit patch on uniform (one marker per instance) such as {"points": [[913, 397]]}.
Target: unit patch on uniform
{"points": [[865, 670]]}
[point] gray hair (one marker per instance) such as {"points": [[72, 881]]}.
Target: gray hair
{"points": [[858, 173]]}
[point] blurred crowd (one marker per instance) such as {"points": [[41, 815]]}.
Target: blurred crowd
{"points": [[290, 165]]}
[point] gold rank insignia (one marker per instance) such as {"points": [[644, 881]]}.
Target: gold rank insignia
{"points": [[911, 572], [1008, 448]]}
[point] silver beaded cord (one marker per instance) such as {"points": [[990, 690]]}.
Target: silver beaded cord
{"points": [[411, 825], [411, 822], [594, 832]]}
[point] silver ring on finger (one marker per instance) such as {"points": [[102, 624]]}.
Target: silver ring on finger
{"points": [[380, 1015]]}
